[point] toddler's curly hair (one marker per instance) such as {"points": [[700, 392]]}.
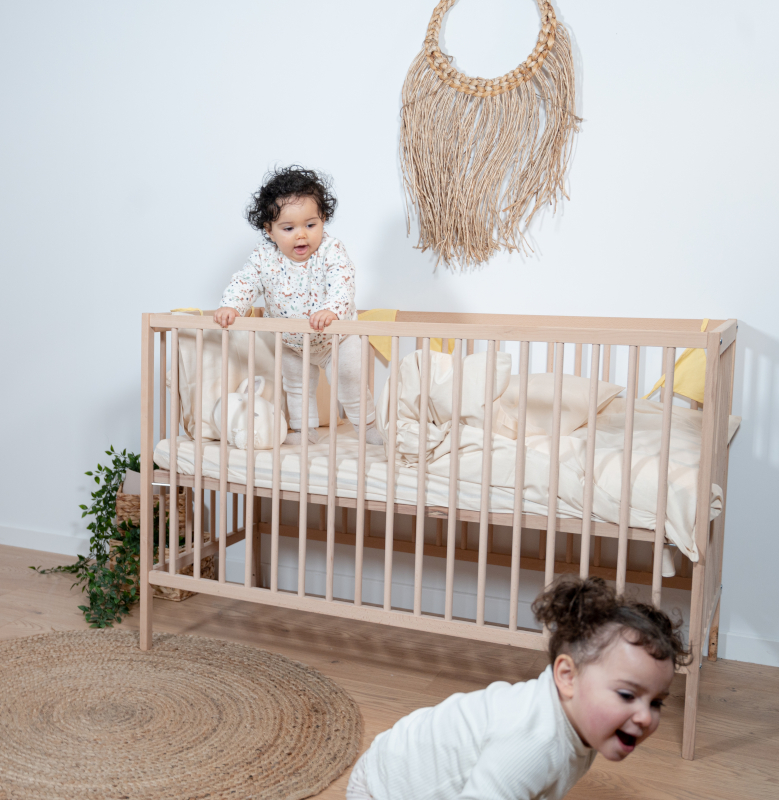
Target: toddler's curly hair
{"points": [[586, 616], [283, 184]]}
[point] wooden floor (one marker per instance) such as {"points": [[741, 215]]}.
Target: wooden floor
{"points": [[390, 672]]}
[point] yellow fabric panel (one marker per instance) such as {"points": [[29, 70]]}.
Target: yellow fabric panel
{"points": [[382, 343], [689, 373], [437, 344]]}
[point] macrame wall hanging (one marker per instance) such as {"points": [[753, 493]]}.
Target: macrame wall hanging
{"points": [[480, 157]]}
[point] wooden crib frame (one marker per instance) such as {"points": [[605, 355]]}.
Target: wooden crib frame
{"points": [[602, 333]]}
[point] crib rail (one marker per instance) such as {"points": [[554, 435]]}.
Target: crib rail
{"points": [[600, 336]]}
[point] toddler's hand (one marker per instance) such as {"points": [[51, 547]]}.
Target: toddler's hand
{"points": [[225, 316], [322, 319]]}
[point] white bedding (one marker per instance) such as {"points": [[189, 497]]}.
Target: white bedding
{"points": [[683, 471]]}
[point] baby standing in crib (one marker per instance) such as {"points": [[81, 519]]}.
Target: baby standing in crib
{"points": [[612, 664], [303, 273]]}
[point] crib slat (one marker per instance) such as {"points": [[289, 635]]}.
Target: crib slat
{"points": [[419, 550], [607, 362], [303, 505], [577, 360], [486, 475], [331, 473], [589, 466], [189, 511], [223, 459], [662, 475], [360, 522], [392, 435], [197, 534], [550, 356], [276, 484], [163, 435], [248, 509], [554, 465], [211, 513], [175, 407], [454, 462], [519, 483], [627, 461]]}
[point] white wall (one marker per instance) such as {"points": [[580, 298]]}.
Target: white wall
{"points": [[133, 133]]}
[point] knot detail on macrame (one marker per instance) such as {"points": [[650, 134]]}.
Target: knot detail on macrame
{"points": [[485, 87]]}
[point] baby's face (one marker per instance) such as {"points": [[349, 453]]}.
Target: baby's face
{"points": [[617, 699], [298, 230]]}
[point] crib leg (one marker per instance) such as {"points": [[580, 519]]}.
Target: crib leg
{"points": [[691, 708]]}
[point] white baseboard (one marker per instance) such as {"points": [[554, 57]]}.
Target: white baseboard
{"points": [[60, 543], [753, 650]]}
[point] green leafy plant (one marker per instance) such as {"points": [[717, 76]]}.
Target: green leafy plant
{"points": [[108, 574]]}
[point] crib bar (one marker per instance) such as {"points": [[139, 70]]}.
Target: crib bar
{"points": [[519, 483], [197, 533], [627, 461], [589, 466], [175, 407], [163, 420], [390, 497], [276, 480], [211, 513], [424, 396], [303, 506], [577, 360], [550, 356], [454, 463], [486, 475], [606, 362], [331, 469], [147, 472], [554, 465], [248, 508], [360, 522], [188, 521], [223, 457], [662, 474]]}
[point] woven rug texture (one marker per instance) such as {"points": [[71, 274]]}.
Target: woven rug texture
{"points": [[87, 715]]}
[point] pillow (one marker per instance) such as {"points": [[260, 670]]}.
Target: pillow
{"points": [[237, 372], [540, 404]]}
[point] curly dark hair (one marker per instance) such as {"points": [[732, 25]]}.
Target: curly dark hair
{"points": [[586, 616], [284, 183]]}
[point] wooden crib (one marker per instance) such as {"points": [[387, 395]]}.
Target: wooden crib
{"points": [[563, 544]]}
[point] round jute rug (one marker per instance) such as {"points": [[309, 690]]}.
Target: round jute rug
{"points": [[87, 714]]}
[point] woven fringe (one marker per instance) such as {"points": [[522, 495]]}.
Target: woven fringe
{"points": [[477, 169]]}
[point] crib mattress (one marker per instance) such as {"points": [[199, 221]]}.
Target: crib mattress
{"points": [[680, 518]]}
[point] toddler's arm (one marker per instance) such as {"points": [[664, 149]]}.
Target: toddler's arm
{"points": [[339, 301], [244, 287]]}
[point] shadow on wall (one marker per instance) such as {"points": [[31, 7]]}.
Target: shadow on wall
{"points": [[751, 592]]}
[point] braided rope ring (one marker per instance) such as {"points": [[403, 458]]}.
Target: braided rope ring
{"points": [[483, 87]]}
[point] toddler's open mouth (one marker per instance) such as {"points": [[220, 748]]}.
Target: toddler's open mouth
{"points": [[628, 741]]}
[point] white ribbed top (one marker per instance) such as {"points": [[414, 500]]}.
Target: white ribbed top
{"points": [[505, 741]]}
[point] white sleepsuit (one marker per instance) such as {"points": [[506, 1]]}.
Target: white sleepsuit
{"points": [[296, 291]]}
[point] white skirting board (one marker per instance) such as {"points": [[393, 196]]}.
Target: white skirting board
{"points": [[60, 543], [741, 647]]}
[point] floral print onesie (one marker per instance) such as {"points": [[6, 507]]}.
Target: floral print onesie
{"points": [[296, 290]]}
